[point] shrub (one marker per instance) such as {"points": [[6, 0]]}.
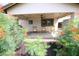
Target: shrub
{"points": [[11, 34], [37, 47], [70, 39]]}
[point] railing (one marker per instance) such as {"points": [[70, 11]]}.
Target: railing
{"points": [[43, 29]]}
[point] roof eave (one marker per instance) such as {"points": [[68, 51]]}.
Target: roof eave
{"points": [[8, 5]]}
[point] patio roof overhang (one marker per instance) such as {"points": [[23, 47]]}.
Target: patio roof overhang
{"points": [[44, 15]]}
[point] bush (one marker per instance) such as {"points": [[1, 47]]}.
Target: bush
{"points": [[37, 47], [70, 39], [11, 34]]}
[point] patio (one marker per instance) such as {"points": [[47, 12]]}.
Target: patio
{"points": [[44, 25]]}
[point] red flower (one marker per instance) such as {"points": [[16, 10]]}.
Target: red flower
{"points": [[74, 29], [1, 8], [76, 37], [2, 33], [62, 33]]}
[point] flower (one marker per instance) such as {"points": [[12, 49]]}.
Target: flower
{"points": [[74, 29], [62, 33], [2, 33], [76, 37], [1, 8]]}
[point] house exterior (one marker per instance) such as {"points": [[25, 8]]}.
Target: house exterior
{"points": [[43, 17]]}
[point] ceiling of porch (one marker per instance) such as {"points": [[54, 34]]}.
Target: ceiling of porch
{"points": [[44, 15]]}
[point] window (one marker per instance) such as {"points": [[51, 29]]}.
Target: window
{"points": [[30, 21], [47, 22], [60, 25]]}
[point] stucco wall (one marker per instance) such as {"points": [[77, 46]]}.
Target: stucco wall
{"points": [[61, 20], [37, 21], [30, 8]]}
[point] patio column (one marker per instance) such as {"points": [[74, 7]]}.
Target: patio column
{"points": [[56, 24]]}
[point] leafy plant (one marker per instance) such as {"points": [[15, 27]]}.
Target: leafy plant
{"points": [[70, 39], [37, 47], [11, 34]]}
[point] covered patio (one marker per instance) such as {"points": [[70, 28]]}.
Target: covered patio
{"points": [[44, 25]]}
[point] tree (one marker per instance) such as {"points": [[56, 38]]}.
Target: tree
{"points": [[11, 34]]}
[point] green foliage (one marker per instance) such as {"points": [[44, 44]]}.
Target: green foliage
{"points": [[37, 47], [70, 47], [70, 40], [13, 35]]}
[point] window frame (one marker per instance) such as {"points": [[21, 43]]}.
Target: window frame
{"points": [[51, 20], [30, 22]]}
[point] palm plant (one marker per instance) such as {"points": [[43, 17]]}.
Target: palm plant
{"points": [[37, 47]]}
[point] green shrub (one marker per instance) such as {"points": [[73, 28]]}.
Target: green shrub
{"points": [[37, 47], [70, 39], [11, 35]]}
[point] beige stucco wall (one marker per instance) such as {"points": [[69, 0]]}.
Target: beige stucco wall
{"points": [[30, 8], [37, 21]]}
